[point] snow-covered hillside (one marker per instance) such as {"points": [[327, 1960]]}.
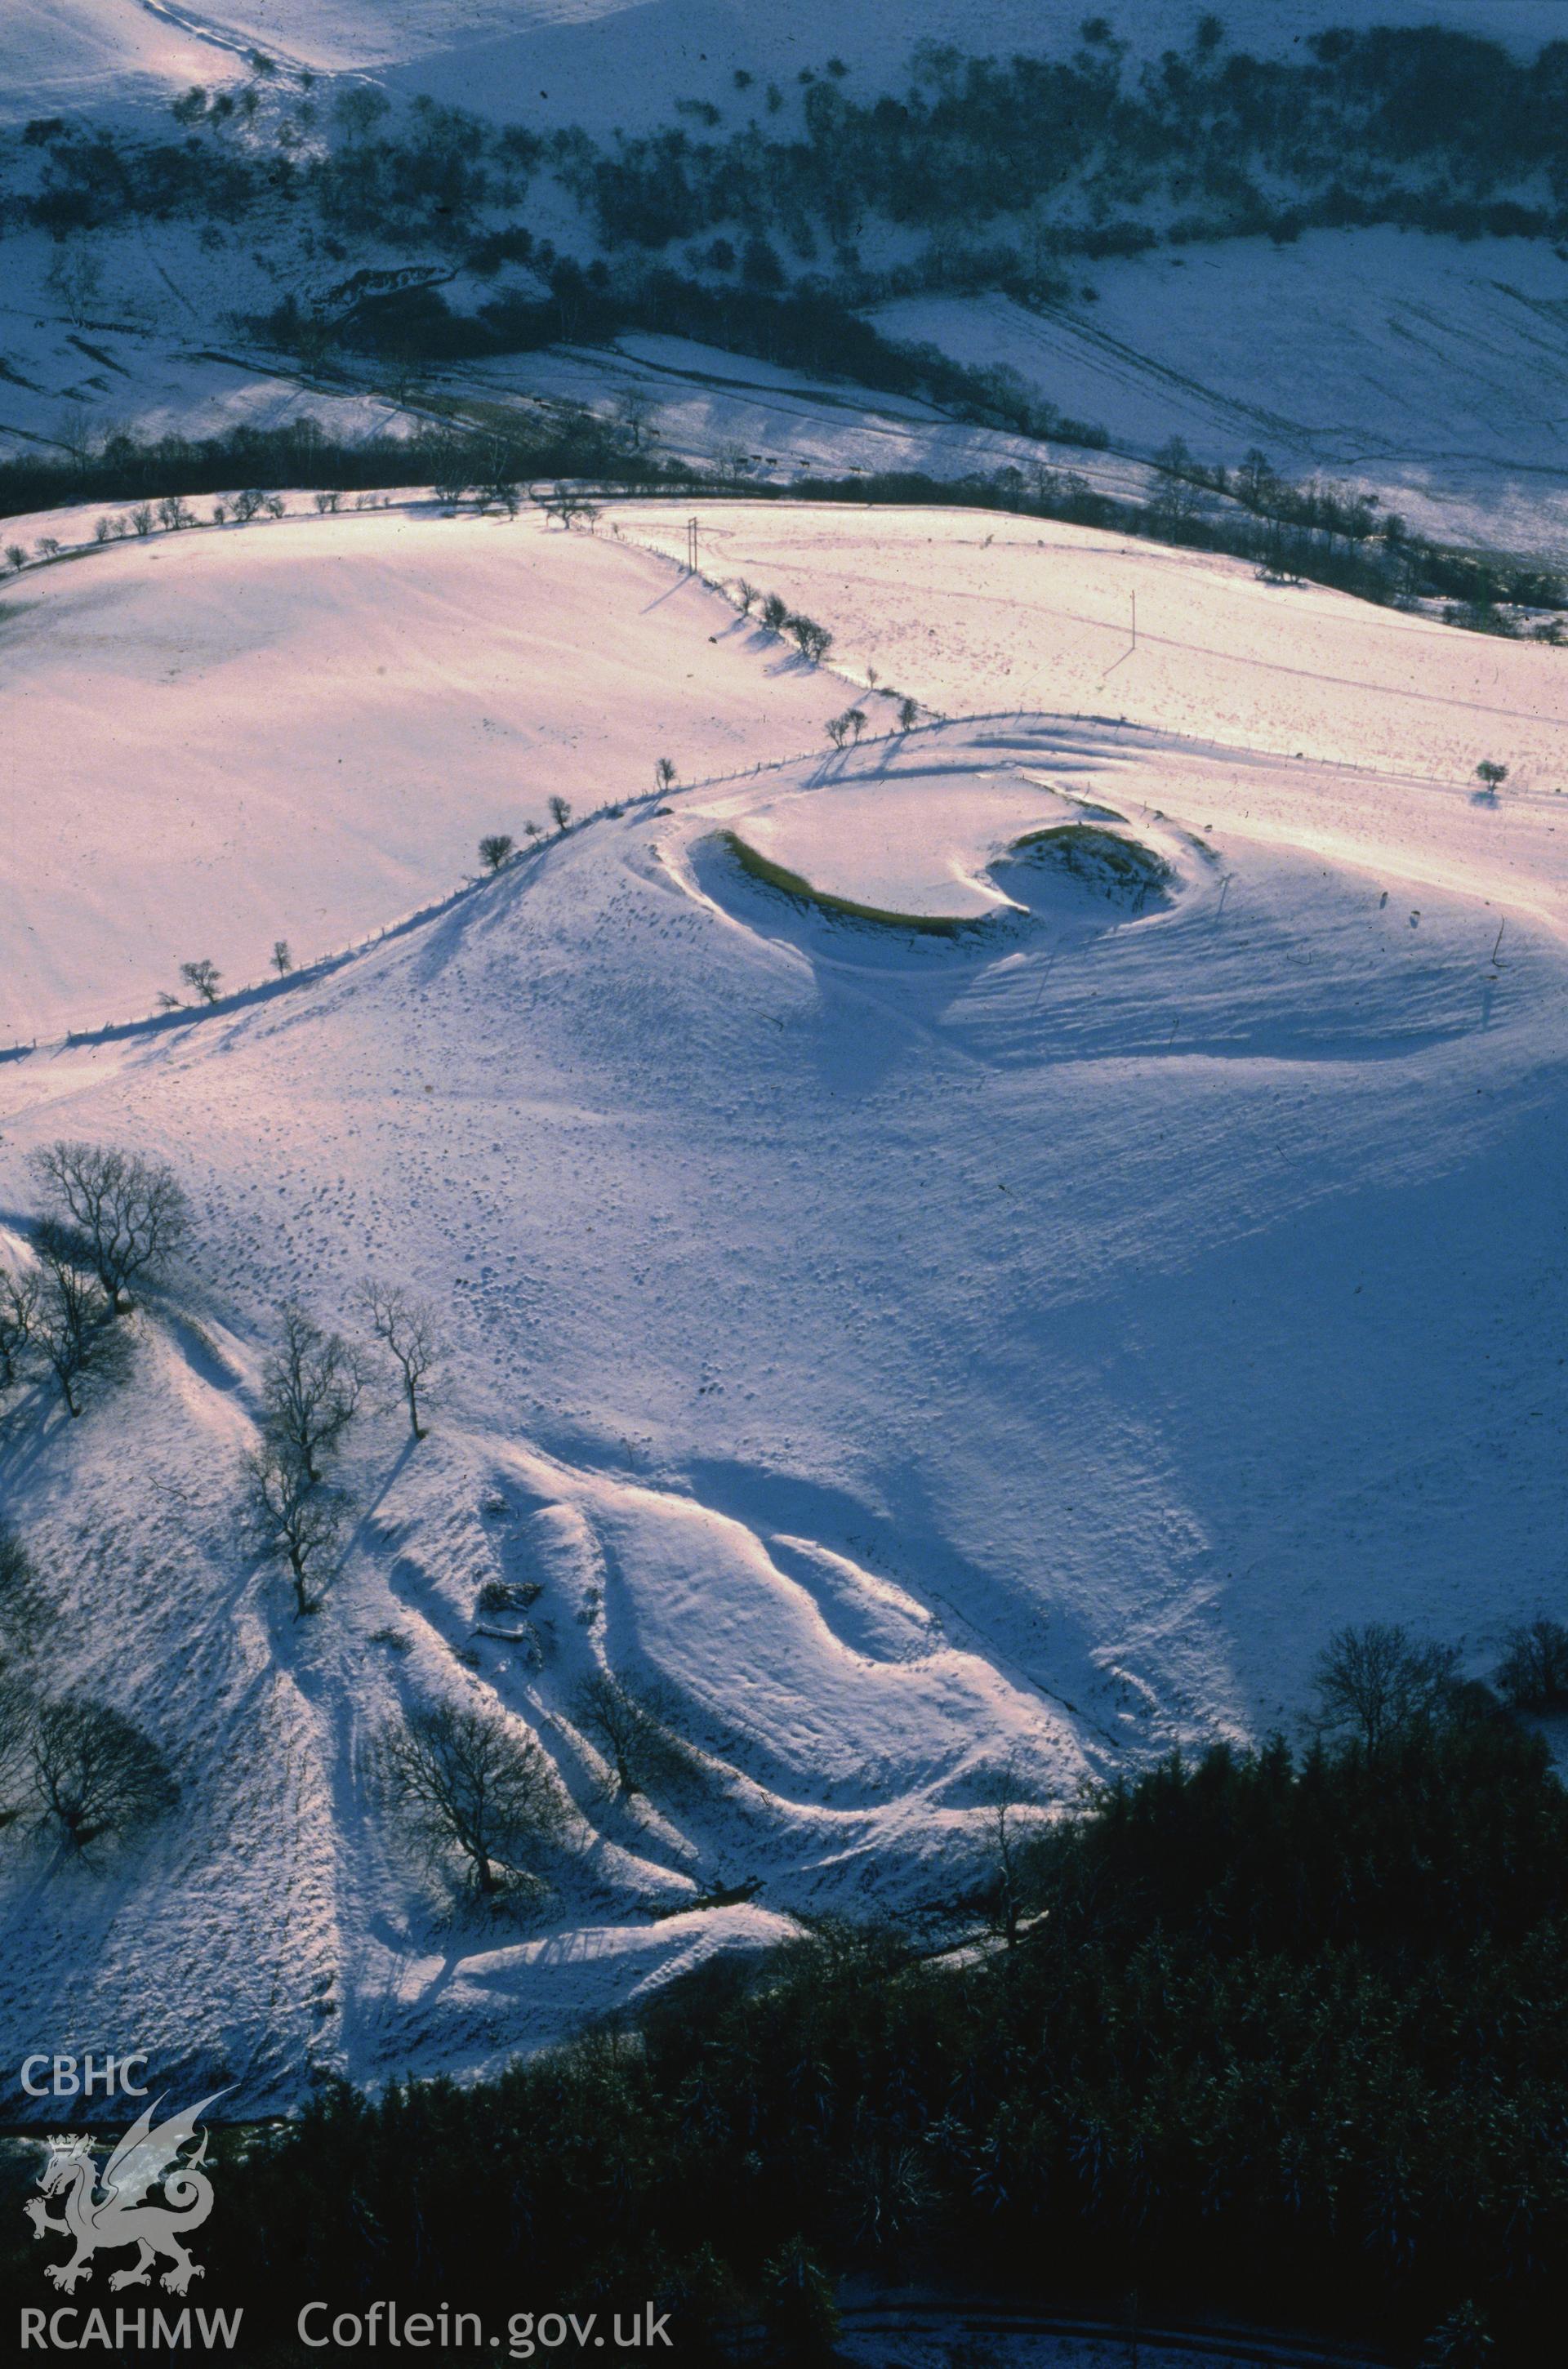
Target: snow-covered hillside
{"points": [[300, 729], [74, 384], [770, 425], [923, 1354], [1433, 371], [607, 61], [232, 293], [973, 610]]}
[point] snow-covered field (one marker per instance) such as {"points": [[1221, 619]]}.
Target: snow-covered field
{"points": [[776, 426], [1424, 369], [1432, 371], [301, 728], [605, 61], [972, 610], [921, 1355], [65, 384]]}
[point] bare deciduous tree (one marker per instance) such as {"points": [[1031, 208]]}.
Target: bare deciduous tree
{"points": [[499, 491], [96, 1773], [812, 640], [1012, 1847], [296, 1519], [72, 1313], [131, 1213], [202, 977], [19, 1320], [631, 1729], [311, 1387], [1377, 1682], [409, 1330], [633, 408], [23, 1605], [1533, 1673], [496, 849], [560, 811], [17, 1710], [664, 774], [75, 276], [282, 960], [468, 1781]]}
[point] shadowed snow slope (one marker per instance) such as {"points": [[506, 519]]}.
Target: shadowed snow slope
{"points": [[915, 1355]]}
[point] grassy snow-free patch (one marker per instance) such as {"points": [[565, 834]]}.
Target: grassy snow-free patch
{"points": [[1117, 867], [790, 884]]}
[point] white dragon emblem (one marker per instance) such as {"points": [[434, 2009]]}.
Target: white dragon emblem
{"points": [[117, 2216]]}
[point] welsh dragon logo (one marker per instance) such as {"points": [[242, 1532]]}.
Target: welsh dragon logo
{"points": [[116, 2214]]}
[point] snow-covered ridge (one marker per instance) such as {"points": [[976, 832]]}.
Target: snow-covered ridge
{"points": [[301, 728], [298, 689]]}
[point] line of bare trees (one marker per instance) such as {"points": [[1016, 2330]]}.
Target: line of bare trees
{"points": [[313, 1385], [467, 1782], [774, 614]]}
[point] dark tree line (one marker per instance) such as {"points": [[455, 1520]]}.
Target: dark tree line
{"points": [[1280, 2033], [574, 444], [1421, 126]]}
